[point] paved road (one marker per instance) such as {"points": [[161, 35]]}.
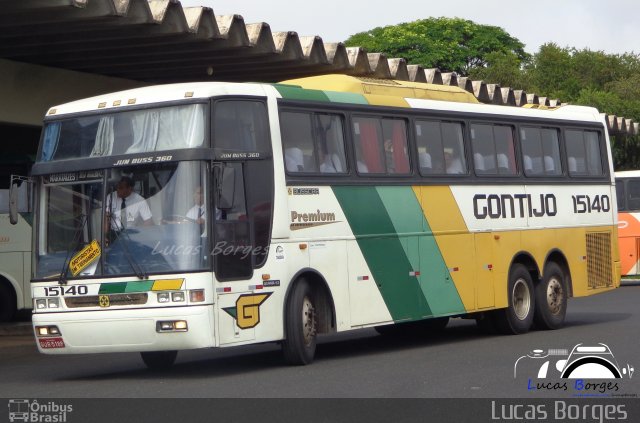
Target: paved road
{"points": [[461, 362]]}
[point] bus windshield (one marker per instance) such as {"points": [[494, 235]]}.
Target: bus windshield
{"points": [[135, 131], [139, 220]]}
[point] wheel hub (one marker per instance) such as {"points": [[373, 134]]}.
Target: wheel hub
{"points": [[521, 298], [308, 321], [555, 296]]}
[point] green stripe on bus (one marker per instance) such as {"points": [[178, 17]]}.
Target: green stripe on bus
{"points": [[352, 98], [422, 250], [112, 288], [291, 92], [383, 251], [139, 286], [124, 287]]}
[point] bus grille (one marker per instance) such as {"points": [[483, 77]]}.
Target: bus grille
{"points": [[114, 300], [599, 263]]}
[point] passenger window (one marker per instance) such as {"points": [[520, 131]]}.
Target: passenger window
{"points": [[313, 142], [633, 198], [493, 150], [620, 195], [540, 151], [381, 145], [583, 153], [440, 148]]}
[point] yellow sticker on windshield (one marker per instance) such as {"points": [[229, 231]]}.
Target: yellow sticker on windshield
{"points": [[84, 257]]}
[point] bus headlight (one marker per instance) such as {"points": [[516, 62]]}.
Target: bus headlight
{"points": [[177, 297], [47, 330], [163, 297], [41, 304], [53, 302]]}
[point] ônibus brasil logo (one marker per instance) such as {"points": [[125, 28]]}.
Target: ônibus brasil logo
{"points": [[24, 410]]}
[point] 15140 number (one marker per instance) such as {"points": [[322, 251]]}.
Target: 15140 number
{"points": [[590, 204]]}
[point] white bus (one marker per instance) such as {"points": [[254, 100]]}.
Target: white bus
{"points": [[15, 241], [260, 213]]}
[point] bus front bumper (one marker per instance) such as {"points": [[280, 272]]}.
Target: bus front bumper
{"points": [[125, 330]]}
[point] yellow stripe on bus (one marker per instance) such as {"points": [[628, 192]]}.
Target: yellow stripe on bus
{"points": [[167, 284]]}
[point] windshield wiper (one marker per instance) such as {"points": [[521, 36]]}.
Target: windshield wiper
{"points": [[72, 248], [135, 266]]}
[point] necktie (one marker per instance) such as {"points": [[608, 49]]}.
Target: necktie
{"points": [[200, 212], [123, 215]]}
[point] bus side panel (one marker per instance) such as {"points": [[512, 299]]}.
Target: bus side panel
{"points": [[629, 240], [400, 251]]}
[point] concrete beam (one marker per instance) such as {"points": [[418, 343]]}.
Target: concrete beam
{"points": [[27, 91]]}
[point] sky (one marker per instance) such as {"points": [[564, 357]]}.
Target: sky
{"points": [[612, 26]]}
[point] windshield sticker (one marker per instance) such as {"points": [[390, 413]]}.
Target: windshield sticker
{"points": [[84, 257]]}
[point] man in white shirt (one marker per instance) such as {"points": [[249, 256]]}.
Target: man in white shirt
{"points": [[125, 208], [198, 212]]}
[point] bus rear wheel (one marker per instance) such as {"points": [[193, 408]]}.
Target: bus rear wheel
{"points": [[301, 325], [551, 298], [159, 360], [518, 316], [7, 302]]}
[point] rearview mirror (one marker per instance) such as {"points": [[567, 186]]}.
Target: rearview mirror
{"points": [[16, 183], [225, 187]]}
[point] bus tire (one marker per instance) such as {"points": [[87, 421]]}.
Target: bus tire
{"points": [[7, 302], [518, 316], [551, 298], [159, 360], [301, 324]]}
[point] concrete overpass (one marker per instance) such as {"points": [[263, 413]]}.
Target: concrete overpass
{"points": [[52, 51]]}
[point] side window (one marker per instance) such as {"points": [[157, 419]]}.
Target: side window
{"points": [[381, 145], [620, 195], [540, 151], [440, 148], [330, 144], [297, 141], [232, 235], [633, 194], [312, 142], [493, 150], [240, 130], [583, 153]]}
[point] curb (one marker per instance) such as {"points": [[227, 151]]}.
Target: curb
{"points": [[16, 329]]}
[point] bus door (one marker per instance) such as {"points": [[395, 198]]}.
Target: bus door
{"points": [[243, 213]]}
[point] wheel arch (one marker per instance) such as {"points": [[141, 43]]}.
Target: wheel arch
{"points": [[558, 257], [527, 260], [325, 305], [13, 285]]}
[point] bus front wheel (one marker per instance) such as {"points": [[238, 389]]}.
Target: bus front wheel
{"points": [[551, 298], [518, 316], [301, 325], [159, 360]]}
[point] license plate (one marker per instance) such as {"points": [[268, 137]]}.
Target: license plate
{"points": [[51, 343]]}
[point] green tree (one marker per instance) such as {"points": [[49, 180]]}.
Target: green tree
{"points": [[502, 68], [451, 44]]}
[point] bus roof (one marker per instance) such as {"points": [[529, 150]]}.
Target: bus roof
{"points": [[330, 88], [628, 174], [384, 91]]}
